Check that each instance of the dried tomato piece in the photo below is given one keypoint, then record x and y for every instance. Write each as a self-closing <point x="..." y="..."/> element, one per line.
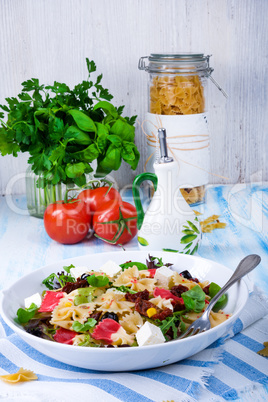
<point x="132" y="297"/>
<point x="162" y="315"/>
<point x="141" y="306"/>
<point x="96" y="316"/>
<point x="178" y="290"/>
<point x="70" y="286"/>
<point x="51" y="300"/>
<point x="178" y="305"/>
<point x="206" y="289"/>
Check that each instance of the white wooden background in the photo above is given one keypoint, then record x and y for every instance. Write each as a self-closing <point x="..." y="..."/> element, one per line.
<point x="50" y="39"/>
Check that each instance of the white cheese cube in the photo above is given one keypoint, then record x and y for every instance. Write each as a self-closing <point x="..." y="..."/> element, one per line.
<point x="78" y="271"/>
<point x="149" y="334"/>
<point x="163" y="276"/>
<point x="110" y="268"/>
<point x="35" y="298"/>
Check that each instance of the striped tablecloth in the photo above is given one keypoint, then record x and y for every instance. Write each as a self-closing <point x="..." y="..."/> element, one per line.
<point x="230" y="369"/>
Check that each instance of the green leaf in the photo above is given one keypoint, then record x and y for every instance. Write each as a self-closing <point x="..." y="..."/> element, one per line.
<point x="102" y="136"/>
<point x="25" y="315"/>
<point x="194" y="249"/>
<point x="107" y="107"/>
<point x="130" y="154"/>
<point x="142" y="241"/>
<point x="130" y="264"/>
<point x="125" y="289"/>
<point x="74" y="170"/>
<point x="68" y="267"/>
<point x="213" y="290"/>
<point x="98" y="281"/>
<point x="193" y="227"/>
<point x="172" y="322"/>
<point x="188" y="245"/>
<point x="91" y="66"/>
<point x="78" y="327"/>
<point x="123" y="130"/>
<point x="24" y="97"/>
<point x="84" y="122"/>
<point x="111" y="161"/>
<point x="78" y="136"/>
<point x="89" y="154"/>
<point x="188" y="231"/>
<point x="188" y="239"/>
<point x="170" y="250"/>
<point x="194" y="299"/>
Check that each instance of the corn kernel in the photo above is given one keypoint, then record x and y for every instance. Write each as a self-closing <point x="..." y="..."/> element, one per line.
<point x="68" y="304"/>
<point x="151" y="311"/>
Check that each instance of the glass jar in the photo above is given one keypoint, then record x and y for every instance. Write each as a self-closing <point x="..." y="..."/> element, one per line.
<point x="39" y="198"/>
<point x="177" y="101"/>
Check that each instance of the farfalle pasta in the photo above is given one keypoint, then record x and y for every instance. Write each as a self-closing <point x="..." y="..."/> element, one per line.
<point x="176" y="95"/>
<point x="114" y="309"/>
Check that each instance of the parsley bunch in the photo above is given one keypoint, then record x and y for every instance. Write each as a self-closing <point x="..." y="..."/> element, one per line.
<point x="64" y="130"/>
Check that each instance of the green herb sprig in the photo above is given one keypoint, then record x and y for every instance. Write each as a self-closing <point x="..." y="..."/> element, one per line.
<point x="64" y="130"/>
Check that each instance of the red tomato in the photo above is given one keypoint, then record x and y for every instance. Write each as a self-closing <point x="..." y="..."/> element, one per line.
<point x="115" y="223"/>
<point x="95" y="198"/>
<point x="67" y="223"/>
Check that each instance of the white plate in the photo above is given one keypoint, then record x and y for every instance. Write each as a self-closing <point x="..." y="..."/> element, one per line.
<point x="126" y="359"/>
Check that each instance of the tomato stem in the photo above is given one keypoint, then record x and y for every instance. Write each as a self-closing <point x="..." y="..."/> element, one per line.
<point x="122" y="225"/>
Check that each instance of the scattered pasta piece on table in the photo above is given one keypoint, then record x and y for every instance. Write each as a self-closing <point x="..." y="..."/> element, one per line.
<point x="21" y="376"/>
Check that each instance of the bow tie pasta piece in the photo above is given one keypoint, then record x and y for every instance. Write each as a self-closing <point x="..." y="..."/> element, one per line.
<point x="132" y="322"/>
<point x="184" y="92"/>
<point x="113" y="303"/>
<point x="21" y="376"/>
<point x="66" y="313"/>
<point x="134" y="279"/>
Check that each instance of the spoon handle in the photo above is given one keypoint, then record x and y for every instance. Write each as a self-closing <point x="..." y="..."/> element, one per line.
<point x="244" y="267"/>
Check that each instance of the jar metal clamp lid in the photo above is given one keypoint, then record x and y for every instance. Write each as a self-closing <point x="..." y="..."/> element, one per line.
<point x="179" y="63"/>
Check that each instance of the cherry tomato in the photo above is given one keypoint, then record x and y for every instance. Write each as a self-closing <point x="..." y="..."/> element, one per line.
<point x="115" y="223"/>
<point x="67" y="223"/>
<point x="95" y="198"/>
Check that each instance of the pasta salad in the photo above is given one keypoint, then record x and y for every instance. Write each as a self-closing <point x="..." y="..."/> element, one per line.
<point x="132" y="304"/>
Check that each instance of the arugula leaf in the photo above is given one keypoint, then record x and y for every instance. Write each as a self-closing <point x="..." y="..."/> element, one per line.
<point x="25" y="315"/>
<point x="172" y="322"/>
<point x="98" y="281"/>
<point x="78" y="327"/>
<point x="194" y="299"/>
<point x="125" y="289"/>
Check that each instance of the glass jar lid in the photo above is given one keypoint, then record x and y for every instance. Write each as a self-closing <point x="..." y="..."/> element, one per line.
<point x="178" y="63"/>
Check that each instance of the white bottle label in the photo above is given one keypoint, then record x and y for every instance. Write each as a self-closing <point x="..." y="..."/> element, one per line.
<point x="188" y="144"/>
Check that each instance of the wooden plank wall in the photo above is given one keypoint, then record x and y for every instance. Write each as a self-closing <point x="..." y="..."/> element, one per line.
<point x="50" y="39"/>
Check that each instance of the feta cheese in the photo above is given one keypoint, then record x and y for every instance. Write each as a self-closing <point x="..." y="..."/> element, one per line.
<point x="78" y="271"/>
<point x="110" y="268"/>
<point x="35" y="298"/>
<point x="149" y="334"/>
<point x="163" y="276"/>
